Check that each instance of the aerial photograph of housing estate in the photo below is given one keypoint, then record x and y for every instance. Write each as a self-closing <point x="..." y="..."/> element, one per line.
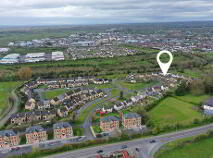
<point x="106" y="79"/>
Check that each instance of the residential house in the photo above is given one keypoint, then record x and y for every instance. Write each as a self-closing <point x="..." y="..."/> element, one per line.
<point x="130" y="120"/>
<point x="119" y="106"/>
<point x="55" y="101"/>
<point x="30" y="104"/>
<point x="62" y="130"/>
<point x="62" y="112"/>
<point x="48" y="114"/>
<point x="18" y="118"/>
<point x="208" y="105"/>
<point x="41" y="105"/>
<point x="109" y="123"/>
<point x="8" y="138"/>
<point x="36" y="134"/>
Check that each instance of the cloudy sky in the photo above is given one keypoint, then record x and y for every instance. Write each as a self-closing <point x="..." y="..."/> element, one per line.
<point x="54" y="12"/>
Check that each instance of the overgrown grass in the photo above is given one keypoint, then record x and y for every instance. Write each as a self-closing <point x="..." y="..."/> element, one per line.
<point x="187" y="148"/>
<point x="5" y="92"/>
<point x="171" y="110"/>
<point x="50" y="94"/>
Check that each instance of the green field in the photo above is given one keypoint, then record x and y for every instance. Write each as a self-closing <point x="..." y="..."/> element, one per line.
<point x="171" y="111"/>
<point x="54" y="93"/>
<point x="200" y="149"/>
<point x="138" y="85"/>
<point x="194" y="99"/>
<point x="5" y="90"/>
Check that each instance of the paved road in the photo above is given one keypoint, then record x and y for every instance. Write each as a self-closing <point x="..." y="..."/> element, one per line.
<point x="50" y="144"/>
<point x="148" y="149"/>
<point x="11" y="110"/>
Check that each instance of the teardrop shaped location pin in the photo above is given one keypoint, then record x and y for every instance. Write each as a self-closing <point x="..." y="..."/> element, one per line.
<point x="164" y="66"/>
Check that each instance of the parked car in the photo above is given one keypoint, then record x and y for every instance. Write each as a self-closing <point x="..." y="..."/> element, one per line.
<point x="152" y="141"/>
<point x="99" y="151"/>
<point x="123" y="146"/>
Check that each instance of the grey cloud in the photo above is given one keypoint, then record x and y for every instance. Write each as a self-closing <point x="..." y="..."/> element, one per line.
<point x="39" y="12"/>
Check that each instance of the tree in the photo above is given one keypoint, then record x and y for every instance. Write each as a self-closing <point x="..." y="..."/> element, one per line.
<point x="74" y="115"/>
<point x="25" y="73"/>
<point x="182" y="89"/>
<point x="121" y="94"/>
<point x="93" y="117"/>
<point x="197" y="87"/>
<point x="208" y="82"/>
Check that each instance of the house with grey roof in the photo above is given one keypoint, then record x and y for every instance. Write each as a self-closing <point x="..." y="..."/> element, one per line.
<point x="36" y="134"/>
<point x="8" y="138"/>
<point x="131" y="120"/>
<point x="109" y="123"/>
<point x="62" y="130"/>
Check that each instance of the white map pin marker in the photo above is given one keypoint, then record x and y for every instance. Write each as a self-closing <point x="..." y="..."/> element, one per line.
<point x="164" y="66"/>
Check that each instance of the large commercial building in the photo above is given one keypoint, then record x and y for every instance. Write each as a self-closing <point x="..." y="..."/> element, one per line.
<point x="10" y="59"/>
<point x="57" y="56"/>
<point x="35" y="57"/>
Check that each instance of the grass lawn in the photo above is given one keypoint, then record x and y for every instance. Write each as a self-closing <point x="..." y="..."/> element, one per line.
<point x="77" y="131"/>
<point x="85" y="113"/>
<point x="171" y="111"/>
<point x="138" y="85"/>
<point x="200" y="149"/>
<point x="5" y="89"/>
<point x="102" y="86"/>
<point x="53" y="93"/>
<point x="96" y="129"/>
<point x="194" y="99"/>
<point x="115" y="92"/>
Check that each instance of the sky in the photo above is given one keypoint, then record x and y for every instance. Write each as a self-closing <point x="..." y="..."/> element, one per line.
<point x="65" y="12"/>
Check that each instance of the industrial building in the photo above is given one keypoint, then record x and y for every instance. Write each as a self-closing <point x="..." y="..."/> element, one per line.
<point x="10" y="59"/>
<point x="57" y="56"/>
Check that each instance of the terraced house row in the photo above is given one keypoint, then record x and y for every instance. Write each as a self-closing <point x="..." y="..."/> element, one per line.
<point x="35" y="134"/>
<point x="66" y="83"/>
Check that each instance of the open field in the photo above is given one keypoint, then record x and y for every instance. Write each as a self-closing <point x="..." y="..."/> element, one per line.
<point x="196" y="100"/>
<point x="171" y="110"/>
<point x="5" y="90"/>
<point x="138" y="85"/>
<point x="50" y="94"/>
<point x="200" y="149"/>
<point x="112" y="67"/>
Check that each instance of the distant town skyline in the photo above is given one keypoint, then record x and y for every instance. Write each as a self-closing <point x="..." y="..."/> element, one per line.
<point x="69" y="12"/>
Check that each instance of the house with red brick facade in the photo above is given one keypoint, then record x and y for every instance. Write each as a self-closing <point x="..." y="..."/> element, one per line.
<point x="36" y="134"/>
<point x="109" y="123"/>
<point x="8" y="138"/>
<point x="62" y="130"/>
<point x="131" y="120"/>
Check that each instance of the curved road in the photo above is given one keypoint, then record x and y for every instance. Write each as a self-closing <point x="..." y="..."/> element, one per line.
<point x="11" y="110"/>
<point x="147" y="149"/>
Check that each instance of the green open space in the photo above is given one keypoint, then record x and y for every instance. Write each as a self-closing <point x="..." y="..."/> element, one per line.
<point x="194" y="99"/>
<point x="171" y="110"/>
<point x="50" y="94"/>
<point x="5" y="92"/>
<point x="138" y="85"/>
<point x="102" y="86"/>
<point x="199" y="149"/>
